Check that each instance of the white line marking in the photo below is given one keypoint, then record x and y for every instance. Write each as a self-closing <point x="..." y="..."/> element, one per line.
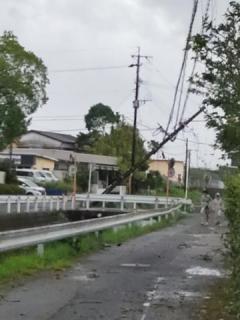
<point x="135" y="265"/>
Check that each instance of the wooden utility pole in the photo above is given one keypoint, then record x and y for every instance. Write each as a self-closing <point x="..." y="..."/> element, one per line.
<point x="136" y="103"/>
<point x="155" y="149"/>
<point x="185" y="166"/>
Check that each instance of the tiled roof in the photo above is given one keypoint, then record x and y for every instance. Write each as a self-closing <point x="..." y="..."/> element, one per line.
<point x="67" y="138"/>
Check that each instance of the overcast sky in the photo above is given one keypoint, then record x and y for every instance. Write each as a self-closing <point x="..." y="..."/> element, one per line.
<point x="70" y="35"/>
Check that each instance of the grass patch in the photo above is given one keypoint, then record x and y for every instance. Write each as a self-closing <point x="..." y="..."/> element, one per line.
<point x="61" y="254"/>
<point x="216" y="307"/>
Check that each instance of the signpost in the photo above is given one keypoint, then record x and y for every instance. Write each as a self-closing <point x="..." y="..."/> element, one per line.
<point x="170" y="174"/>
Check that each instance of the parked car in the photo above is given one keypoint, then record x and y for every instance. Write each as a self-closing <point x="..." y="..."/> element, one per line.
<point x="30" y="187"/>
<point x="34" y="175"/>
<point x="49" y="176"/>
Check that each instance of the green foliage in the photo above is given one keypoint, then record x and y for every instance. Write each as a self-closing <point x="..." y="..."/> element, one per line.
<point x="218" y="49"/>
<point x="154" y="180"/>
<point x="65" y="186"/>
<point x="85" y="141"/>
<point x="16" y="264"/>
<point x="99" y="116"/>
<point x="82" y="177"/>
<point x="232" y="213"/>
<point x="10" y="189"/>
<point x="119" y="144"/>
<point x="23" y="78"/>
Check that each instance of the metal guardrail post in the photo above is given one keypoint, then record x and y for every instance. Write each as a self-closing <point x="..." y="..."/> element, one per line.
<point x="18" y="205"/>
<point x="51" y="204"/>
<point x="58" y="204"/>
<point x="44" y="203"/>
<point x="64" y="200"/>
<point x="8" y="205"/>
<point x="88" y="202"/>
<point x="36" y="204"/>
<point x="135" y="206"/>
<point x="156" y="203"/>
<point x="103" y="204"/>
<point x="40" y="249"/>
<point x="73" y="202"/>
<point x="28" y="205"/>
<point x="122" y="203"/>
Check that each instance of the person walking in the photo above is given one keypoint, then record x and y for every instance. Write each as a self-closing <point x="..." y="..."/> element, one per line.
<point x="218" y="208"/>
<point x="205" y="207"/>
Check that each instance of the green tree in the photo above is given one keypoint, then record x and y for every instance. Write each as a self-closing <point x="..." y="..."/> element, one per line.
<point x="85" y="141"/>
<point x="99" y="116"/>
<point x="218" y="50"/>
<point x="23" y="79"/>
<point x="119" y="143"/>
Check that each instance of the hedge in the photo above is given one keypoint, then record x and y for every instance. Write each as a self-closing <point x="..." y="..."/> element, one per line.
<point x="10" y="189"/>
<point x="232" y="212"/>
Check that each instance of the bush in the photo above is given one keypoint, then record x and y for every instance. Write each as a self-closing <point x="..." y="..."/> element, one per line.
<point x="10" y="189"/>
<point x="232" y="212"/>
<point x="65" y="187"/>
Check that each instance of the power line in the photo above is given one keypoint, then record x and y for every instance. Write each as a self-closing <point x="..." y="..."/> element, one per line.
<point x="88" y="69"/>
<point x="204" y="19"/>
<point x="182" y="72"/>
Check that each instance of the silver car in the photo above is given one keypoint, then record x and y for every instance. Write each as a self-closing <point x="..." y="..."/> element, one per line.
<point x="30" y="187"/>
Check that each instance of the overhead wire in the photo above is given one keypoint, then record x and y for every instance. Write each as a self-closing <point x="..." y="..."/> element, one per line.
<point x="204" y="19"/>
<point x="88" y="69"/>
<point x="182" y="73"/>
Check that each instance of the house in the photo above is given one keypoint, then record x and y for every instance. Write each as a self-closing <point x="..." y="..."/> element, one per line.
<point x="162" y="167"/>
<point x="46" y="140"/>
<point x="62" y="162"/>
<point x="31" y="160"/>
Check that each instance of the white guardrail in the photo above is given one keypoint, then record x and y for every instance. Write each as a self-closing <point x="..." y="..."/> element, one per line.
<point x="15" y="239"/>
<point x="18" y="204"/>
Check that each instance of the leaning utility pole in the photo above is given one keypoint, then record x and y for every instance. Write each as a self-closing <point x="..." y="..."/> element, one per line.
<point x="168" y="138"/>
<point x="186" y="165"/>
<point x="136" y="103"/>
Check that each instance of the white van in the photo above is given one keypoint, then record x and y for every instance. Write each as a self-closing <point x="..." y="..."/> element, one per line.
<point x="31" y="174"/>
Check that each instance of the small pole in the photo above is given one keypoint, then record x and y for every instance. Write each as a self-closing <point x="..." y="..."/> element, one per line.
<point x="40" y="249"/>
<point x="167" y="190"/>
<point x="90" y="178"/>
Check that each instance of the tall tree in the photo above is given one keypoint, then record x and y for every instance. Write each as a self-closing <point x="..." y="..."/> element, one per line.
<point x="218" y="50"/>
<point x="99" y="116"/>
<point x="23" y="79"/>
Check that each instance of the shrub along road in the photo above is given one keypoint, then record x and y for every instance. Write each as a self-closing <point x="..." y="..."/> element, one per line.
<point x="162" y="275"/>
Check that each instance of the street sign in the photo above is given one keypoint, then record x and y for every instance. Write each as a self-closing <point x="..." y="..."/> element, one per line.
<point x="72" y="170"/>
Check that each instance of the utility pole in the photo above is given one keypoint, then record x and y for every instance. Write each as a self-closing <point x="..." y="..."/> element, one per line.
<point x="136" y="103"/>
<point x="155" y="149"/>
<point x="187" y="173"/>
<point x="186" y="165"/>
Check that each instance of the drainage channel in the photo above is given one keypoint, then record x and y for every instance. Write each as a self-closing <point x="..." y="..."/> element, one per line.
<point x="16" y="221"/>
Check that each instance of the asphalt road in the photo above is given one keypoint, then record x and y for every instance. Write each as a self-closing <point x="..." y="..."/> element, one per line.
<point x="162" y="275"/>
